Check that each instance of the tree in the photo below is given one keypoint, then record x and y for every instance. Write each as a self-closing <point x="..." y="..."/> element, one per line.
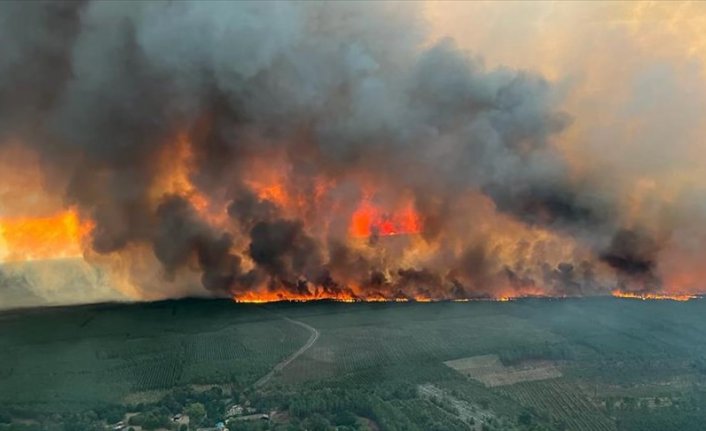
<point x="5" y="418"/>
<point x="317" y="423"/>
<point x="345" y="418"/>
<point x="525" y="418"/>
<point x="196" y="413"/>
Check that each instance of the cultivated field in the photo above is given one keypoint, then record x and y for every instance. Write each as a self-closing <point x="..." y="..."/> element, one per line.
<point x="488" y="370"/>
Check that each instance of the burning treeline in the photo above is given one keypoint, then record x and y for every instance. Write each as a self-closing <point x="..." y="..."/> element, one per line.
<point x="297" y="151"/>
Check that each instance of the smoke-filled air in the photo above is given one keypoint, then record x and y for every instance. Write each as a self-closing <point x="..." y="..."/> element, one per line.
<point x="350" y="151"/>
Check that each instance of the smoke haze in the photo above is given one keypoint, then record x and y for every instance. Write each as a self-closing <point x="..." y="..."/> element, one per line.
<point x="354" y="150"/>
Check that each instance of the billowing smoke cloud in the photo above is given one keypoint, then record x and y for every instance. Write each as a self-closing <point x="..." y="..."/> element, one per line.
<point x="181" y="235"/>
<point x="633" y="254"/>
<point x="294" y="114"/>
<point x="283" y="249"/>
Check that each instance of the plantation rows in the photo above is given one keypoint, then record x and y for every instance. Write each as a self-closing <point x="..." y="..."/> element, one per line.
<point x="157" y="372"/>
<point x="305" y="368"/>
<point x="424" y="414"/>
<point x="217" y="357"/>
<point x="138" y="354"/>
<point x="561" y="401"/>
<point x="222" y="346"/>
<point x="412" y="373"/>
<point x="272" y="341"/>
<point x="366" y="346"/>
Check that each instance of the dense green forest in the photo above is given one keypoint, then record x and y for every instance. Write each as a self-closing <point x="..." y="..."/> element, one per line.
<point x="575" y="364"/>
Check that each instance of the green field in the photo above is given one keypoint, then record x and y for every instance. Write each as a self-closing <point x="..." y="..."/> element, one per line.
<point x="624" y="364"/>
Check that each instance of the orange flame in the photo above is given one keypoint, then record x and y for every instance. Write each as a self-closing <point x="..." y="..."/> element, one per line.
<point x="33" y="238"/>
<point x="268" y="297"/>
<point x="263" y="297"/>
<point x="369" y="220"/>
<point x="174" y="171"/>
<point x="255" y="297"/>
<point x="653" y="296"/>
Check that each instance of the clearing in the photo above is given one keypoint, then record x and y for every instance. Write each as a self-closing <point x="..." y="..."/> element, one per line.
<point x="488" y="370"/>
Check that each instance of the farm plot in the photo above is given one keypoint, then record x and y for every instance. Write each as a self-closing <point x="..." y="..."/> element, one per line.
<point x="562" y="401"/>
<point x="488" y="370"/>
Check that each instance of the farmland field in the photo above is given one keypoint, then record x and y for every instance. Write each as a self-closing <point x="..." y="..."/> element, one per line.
<point x="596" y="364"/>
<point x="489" y="370"/>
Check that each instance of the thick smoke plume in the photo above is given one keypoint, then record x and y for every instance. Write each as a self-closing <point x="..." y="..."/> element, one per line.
<point x="252" y="143"/>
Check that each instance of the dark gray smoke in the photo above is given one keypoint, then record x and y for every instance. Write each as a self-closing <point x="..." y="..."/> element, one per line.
<point x="247" y="210"/>
<point x="284" y="250"/>
<point x="633" y="253"/>
<point x="341" y="91"/>
<point x="181" y="236"/>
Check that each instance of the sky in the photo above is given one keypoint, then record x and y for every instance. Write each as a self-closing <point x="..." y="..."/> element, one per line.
<point x="633" y="81"/>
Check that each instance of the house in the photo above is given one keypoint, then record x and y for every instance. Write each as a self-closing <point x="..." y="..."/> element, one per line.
<point x="181" y="419"/>
<point x="234" y="410"/>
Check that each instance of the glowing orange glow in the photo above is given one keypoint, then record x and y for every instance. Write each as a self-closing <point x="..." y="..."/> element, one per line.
<point x="274" y="193"/>
<point x="263" y="297"/>
<point x="256" y="297"/>
<point x="33" y="238"/>
<point x="369" y="220"/>
<point x="652" y="296"/>
<point x="270" y="183"/>
<point x="174" y="177"/>
<point x="269" y="178"/>
<point x="260" y="298"/>
<point x="267" y="297"/>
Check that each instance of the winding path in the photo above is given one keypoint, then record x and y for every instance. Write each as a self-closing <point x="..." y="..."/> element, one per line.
<point x="280" y="366"/>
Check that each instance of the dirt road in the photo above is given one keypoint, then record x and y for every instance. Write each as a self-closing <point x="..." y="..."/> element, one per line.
<point x="280" y="366"/>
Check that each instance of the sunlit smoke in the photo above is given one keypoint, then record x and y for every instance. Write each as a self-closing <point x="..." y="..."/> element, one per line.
<point x="304" y="151"/>
<point x="54" y="237"/>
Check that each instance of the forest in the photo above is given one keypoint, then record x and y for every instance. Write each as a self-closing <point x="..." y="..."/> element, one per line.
<point x="614" y="364"/>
